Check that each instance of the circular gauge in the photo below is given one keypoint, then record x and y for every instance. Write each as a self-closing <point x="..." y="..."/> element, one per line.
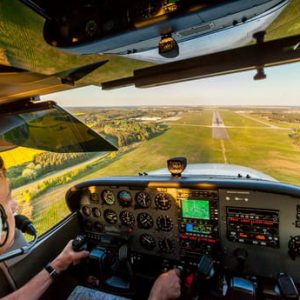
<point x="143" y="199"/>
<point x="86" y="211"/>
<point x="144" y="220"/>
<point x="96" y="212"/>
<point x="166" y="245"/>
<point x="110" y="216"/>
<point x="124" y="198"/>
<point x="127" y="218"/>
<point x="164" y="223"/>
<point x="147" y="241"/>
<point x="108" y="197"/>
<point x="162" y="201"/>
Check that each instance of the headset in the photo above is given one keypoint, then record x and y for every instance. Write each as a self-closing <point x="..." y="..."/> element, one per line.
<point x="4" y="227"/>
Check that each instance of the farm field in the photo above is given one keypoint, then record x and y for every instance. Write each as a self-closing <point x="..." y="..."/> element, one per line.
<point x="251" y="143"/>
<point x="18" y="156"/>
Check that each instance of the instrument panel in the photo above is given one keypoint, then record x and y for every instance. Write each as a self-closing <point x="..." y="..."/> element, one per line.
<point x="183" y="223"/>
<point x="146" y="217"/>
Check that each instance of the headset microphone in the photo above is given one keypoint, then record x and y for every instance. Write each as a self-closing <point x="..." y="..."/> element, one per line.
<point x="25" y="225"/>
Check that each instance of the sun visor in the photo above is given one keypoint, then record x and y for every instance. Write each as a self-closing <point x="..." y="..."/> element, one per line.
<point x="46" y="126"/>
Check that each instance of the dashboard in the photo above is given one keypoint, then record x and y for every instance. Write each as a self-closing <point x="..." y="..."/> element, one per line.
<point x="246" y="226"/>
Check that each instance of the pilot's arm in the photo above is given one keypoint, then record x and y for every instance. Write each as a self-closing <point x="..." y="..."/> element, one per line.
<point x="39" y="283"/>
<point x="166" y="286"/>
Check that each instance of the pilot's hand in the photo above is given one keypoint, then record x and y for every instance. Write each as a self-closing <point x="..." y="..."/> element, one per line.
<point x="68" y="257"/>
<point x="166" y="286"/>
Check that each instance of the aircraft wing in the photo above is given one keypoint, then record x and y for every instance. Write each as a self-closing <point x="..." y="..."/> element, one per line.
<point x="18" y="83"/>
<point x="43" y="62"/>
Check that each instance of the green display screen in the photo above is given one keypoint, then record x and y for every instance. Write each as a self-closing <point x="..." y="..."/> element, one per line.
<point x="195" y="209"/>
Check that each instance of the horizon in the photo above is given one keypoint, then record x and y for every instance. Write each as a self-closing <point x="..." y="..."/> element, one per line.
<point x="281" y="88"/>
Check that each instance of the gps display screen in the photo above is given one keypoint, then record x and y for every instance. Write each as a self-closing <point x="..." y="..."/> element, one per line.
<point x="195" y="209"/>
<point x="198" y="228"/>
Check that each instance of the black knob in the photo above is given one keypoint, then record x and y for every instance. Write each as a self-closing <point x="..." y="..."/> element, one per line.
<point x="79" y="242"/>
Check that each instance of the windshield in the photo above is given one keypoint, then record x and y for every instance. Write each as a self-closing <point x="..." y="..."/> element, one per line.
<point x="250" y="124"/>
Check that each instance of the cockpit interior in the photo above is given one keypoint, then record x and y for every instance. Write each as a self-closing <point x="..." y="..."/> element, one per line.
<point x="231" y="231"/>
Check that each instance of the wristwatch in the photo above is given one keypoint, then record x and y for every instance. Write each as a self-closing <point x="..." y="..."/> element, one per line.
<point x="52" y="272"/>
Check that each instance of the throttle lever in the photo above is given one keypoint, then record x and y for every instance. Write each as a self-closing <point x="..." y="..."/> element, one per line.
<point x="79" y="243"/>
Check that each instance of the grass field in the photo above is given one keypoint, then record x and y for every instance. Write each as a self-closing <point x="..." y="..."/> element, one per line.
<point x="231" y="118"/>
<point x="280" y="124"/>
<point x="288" y="22"/>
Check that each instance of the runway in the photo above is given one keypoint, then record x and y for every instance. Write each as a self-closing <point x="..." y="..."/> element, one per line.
<point x="219" y="130"/>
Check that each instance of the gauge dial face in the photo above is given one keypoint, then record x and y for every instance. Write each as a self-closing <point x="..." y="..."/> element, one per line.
<point x="125" y="198"/>
<point x="127" y="218"/>
<point x="162" y="201"/>
<point x="96" y="212"/>
<point x="166" y="245"/>
<point x="86" y="211"/>
<point x="144" y="221"/>
<point x="147" y="241"/>
<point x="164" y="223"/>
<point x="143" y="199"/>
<point x="110" y="216"/>
<point x="108" y="197"/>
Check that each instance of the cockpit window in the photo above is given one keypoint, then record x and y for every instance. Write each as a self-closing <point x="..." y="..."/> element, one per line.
<point x="48" y="127"/>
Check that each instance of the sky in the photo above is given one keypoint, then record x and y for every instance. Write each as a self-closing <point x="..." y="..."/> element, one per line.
<point x="282" y="87"/>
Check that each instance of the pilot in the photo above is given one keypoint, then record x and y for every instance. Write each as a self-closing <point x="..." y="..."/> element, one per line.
<point x="166" y="286"/>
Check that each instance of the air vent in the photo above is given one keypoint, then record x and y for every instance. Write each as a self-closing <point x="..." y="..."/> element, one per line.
<point x="194" y="30"/>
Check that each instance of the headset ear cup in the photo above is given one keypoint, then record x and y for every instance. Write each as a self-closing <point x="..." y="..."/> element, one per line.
<point x="1" y="226"/>
<point x="3" y="219"/>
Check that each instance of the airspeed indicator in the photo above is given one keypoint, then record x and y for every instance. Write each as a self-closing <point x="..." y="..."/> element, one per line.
<point x="143" y="199"/>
